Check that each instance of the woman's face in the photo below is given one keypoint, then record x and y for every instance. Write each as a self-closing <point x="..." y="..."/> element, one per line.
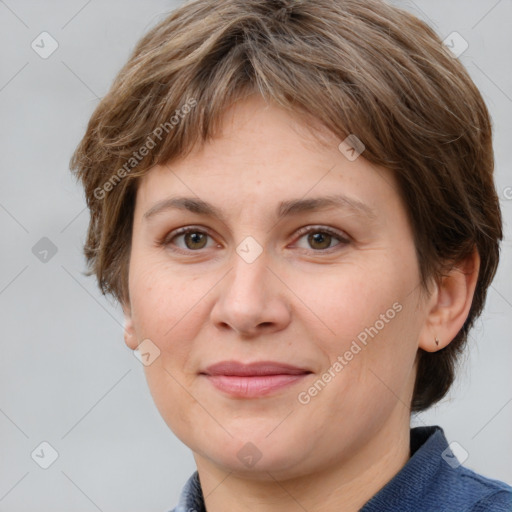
<point x="332" y="290"/>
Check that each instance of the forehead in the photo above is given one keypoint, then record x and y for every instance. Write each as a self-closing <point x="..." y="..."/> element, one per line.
<point x="266" y="155"/>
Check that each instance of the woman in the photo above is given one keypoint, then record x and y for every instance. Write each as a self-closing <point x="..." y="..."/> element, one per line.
<point x="294" y="204"/>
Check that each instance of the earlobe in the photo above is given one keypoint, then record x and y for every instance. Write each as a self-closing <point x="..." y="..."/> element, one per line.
<point x="450" y="304"/>
<point x="129" y="332"/>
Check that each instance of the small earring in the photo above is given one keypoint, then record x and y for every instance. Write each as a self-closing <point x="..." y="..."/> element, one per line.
<point x="437" y="342"/>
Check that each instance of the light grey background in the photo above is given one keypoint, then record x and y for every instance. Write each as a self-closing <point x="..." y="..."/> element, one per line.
<point x="66" y="376"/>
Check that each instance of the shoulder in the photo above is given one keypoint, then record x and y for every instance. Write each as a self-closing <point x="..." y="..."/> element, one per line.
<point x="434" y="480"/>
<point x="489" y="495"/>
<point x="458" y="485"/>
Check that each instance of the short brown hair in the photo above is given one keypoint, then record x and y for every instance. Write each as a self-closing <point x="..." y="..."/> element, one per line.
<point x="359" y="67"/>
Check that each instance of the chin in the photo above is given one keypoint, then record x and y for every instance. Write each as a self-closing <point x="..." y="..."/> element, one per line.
<point x="255" y="455"/>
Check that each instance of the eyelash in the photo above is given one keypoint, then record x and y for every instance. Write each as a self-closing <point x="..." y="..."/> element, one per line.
<point x="166" y="241"/>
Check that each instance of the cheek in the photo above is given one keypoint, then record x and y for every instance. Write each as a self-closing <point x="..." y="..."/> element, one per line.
<point x="158" y="296"/>
<point x="168" y="308"/>
<point x="358" y="297"/>
<point x="373" y="321"/>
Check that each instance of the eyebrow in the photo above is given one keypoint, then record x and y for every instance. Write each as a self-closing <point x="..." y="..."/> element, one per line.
<point x="284" y="209"/>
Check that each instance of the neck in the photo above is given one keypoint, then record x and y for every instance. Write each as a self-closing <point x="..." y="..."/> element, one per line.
<point x="343" y="487"/>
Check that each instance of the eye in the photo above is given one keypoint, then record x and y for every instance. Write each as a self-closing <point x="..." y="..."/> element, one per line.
<point x="192" y="237"/>
<point x="320" y="238"/>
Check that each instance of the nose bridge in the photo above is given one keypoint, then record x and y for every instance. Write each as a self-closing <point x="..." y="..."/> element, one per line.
<point x="248" y="281"/>
<point x="249" y="297"/>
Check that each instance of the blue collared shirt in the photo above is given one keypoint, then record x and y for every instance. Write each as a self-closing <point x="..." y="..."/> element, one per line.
<point x="431" y="481"/>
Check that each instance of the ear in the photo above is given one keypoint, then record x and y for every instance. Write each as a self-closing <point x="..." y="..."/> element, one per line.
<point x="129" y="332"/>
<point x="449" y="304"/>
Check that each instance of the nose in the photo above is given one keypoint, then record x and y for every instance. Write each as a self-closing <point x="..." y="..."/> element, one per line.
<point x="252" y="299"/>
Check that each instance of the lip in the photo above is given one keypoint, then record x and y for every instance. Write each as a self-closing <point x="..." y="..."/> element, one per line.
<point x="258" y="368"/>
<point x="253" y="380"/>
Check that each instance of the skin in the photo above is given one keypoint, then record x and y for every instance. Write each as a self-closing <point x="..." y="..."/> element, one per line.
<point x="301" y="301"/>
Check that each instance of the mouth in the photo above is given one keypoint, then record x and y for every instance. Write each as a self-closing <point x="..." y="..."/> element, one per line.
<point x="253" y="380"/>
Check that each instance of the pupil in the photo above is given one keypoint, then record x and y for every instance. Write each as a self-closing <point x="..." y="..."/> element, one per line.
<point x="195" y="238"/>
<point x="318" y="237"/>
